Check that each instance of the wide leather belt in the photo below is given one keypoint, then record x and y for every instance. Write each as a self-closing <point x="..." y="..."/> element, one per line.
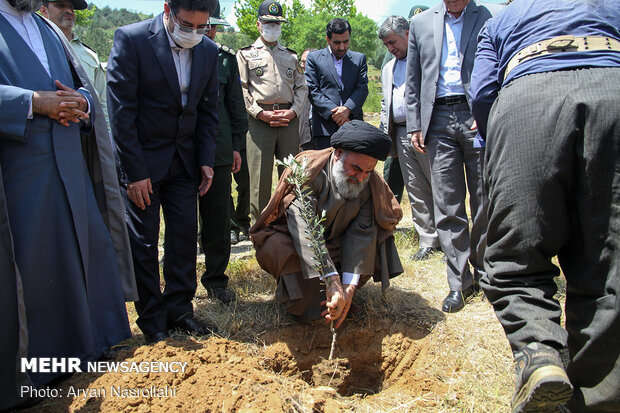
<point x="562" y="44"/>
<point x="451" y="100"/>
<point x="275" y="106"/>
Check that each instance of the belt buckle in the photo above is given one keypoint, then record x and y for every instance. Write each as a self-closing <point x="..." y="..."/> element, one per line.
<point x="276" y="106"/>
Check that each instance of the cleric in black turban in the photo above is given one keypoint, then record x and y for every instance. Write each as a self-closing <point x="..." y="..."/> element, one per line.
<point x="361" y="137"/>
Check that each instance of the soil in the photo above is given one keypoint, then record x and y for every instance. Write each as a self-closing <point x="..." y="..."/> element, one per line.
<point x="285" y="370"/>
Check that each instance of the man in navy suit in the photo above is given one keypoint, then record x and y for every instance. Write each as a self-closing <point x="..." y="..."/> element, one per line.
<point x="337" y="83"/>
<point x="162" y="89"/>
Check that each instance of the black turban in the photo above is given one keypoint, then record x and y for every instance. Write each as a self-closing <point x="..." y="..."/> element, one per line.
<point x="361" y="137"/>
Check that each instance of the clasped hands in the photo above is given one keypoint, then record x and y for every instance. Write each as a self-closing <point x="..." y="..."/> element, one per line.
<point x="65" y="105"/>
<point x="340" y="115"/>
<point x="338" y="300"/>
<point x="277" y="118"/>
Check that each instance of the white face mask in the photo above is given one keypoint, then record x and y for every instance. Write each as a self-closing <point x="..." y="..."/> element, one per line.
<point x="186" y="40"/>
<point x="270" y="32"/>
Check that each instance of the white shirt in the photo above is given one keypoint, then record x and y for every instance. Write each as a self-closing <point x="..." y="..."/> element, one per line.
<point x="399" y="104"/>
<point x="338" y="66"/>
<point x="183" y="63"/>
<point x="27" y="28"/>
<point x="449" y="82"/>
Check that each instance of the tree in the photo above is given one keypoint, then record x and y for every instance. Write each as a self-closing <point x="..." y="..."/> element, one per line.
<point x="84" y="17"/>
<point x="246" y="12"/>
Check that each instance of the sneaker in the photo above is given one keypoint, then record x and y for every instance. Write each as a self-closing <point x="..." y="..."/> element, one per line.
<point x="542" y="383"/>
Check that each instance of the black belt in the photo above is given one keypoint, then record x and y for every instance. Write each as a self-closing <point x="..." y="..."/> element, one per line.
<point x="451" y="100"/>
<point x="275" y="106"/>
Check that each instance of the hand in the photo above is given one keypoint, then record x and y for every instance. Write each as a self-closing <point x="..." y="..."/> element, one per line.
<point x="334" y="299"/>
<point x="417" y="140"/>
<point x="277" y="118"/>
<point x="65" y="105"/>
<point x="139" y="192"/>
<point x="340" y="115"/>
<point x="286" y="113"/>
<point x="207" y="179"/>
<point x="236" y="165"/>
<point x="474" y="126"/>
<point x="349" y="292"/>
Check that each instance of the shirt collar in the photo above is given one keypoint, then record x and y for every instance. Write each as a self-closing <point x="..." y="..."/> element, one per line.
<point x="5" y="7"/>
<point x="334" y="56"/>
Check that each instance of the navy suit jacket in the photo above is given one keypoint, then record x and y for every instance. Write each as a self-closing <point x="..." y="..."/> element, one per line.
<point x="147" y="119"/>
<point x="326" y="91"/>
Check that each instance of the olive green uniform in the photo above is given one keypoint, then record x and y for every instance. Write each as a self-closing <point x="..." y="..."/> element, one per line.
<point x="93" y="68"/>
<point x="271" y="79"/>
<point x="214" y="205"/>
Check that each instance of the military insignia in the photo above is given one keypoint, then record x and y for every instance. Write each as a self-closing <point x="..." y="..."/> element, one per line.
<point x="299" y="68"/>
<point x="254" y="53"/>
<point x="259" y="71"/>
<point x="289" y="73"/>
<point x="417" y="11"/>
<point x="273" y="8"/>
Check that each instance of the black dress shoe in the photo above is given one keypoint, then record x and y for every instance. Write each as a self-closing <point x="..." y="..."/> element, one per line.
<point x="234" y="237"/>
<point x="424" y="253"/>
<point x="189" y="324"/>
<point x="224" y="295"/>
<point x="152" y="339"/>
<point x="455" y="301"/>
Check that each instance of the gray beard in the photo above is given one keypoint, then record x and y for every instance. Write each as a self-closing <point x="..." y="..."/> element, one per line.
<point x="26" y="6"/>
<point x="346" y="189"/>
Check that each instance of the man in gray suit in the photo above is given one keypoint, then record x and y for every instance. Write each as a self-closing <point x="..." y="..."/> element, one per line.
<point x="414" y="166"/>
<point x="442" y="46"/>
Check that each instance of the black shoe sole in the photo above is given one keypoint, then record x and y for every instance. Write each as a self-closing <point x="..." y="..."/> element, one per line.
<point x="546" y="388"/>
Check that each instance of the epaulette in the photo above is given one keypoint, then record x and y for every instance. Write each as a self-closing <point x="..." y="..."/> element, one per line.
<point x="291" y="50"/>
<point x="247" y="47"/>
<point x="227" y="49"/>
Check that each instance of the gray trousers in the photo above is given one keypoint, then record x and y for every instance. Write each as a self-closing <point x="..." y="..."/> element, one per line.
<point x="553" y="171"/>
<point x="263" y="144"/>
<point x="416" y="171"/>
<point x="456" y="166"/>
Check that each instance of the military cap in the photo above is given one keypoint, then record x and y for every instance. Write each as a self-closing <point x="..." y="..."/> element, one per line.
<point x="417" y="10"/>
<point x="271" y="11"/>
<point x="214" y="18"/>
<point x="77" y="4"/>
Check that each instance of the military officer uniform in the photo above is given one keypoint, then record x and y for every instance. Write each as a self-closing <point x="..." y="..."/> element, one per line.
<point x="271" y="79"/>
<point x="214" y="205"/>
<point x="94" y="69"/>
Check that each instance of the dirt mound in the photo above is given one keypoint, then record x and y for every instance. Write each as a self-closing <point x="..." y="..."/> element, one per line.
<point x="287" y="371"/>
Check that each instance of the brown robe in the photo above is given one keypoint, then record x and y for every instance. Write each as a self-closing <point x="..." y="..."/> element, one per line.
<point x="279" y="254"/>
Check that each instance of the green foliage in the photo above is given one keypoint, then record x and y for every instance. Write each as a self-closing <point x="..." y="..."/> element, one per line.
<point x="246" y="12"/>
<point x="234" y="40"/>
<point x="96" y="27"/>
<point x="339" y="8"/>
<point x="84" y="17"/>
<point x="375" y="94"/>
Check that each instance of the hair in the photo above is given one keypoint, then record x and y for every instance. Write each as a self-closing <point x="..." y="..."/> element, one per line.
<point x="338" y="26"/>
<point x="192" y="5"/>
<point x="393" y="24"/>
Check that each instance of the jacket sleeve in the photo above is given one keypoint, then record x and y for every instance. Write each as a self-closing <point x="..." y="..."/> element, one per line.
<point x="123" y="80"/>
<point x="207" y="121"/>
<point x="484" y="80"/>
<point x="15" y="104"/>
<point x="412" y="89"/>
<point x="358" y="97"/>
<point x="383" y="125"/>
<point x="320" y="102"/>
<point x="236" y="109"/>
<point x="300" y="90"/>
<point x="250" y="104"/>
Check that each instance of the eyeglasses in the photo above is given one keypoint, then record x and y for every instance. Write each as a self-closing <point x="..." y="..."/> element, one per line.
<point x="188" y="29"/>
